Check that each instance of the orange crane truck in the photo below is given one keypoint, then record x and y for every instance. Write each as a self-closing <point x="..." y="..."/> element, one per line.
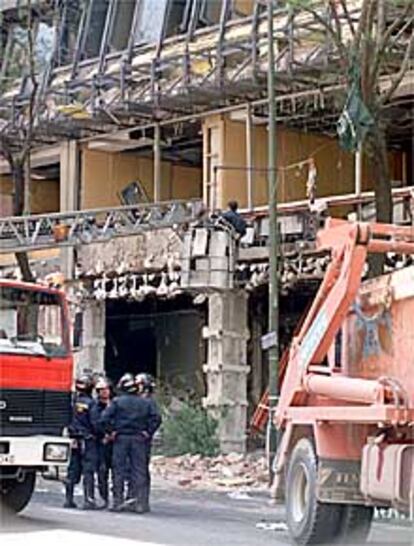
<point x="345" y="414"/>
<point x="35" y="387"/>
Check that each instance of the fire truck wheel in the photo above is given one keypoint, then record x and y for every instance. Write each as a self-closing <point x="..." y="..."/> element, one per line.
<point x="355" y="524"/>
<point x="309" y="521"/>
<point x="15" y="494"/>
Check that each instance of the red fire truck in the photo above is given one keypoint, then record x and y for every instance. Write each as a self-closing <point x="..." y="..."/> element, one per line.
<point x="35" y="387"/>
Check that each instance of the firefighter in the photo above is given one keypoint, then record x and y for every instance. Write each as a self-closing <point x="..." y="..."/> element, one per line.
<point x="133" y="420"/>
<point x="233" y="217"/>
<point x="104" y="440"/>
<point x="82" y="430"/>
<point x="146" y="385"/>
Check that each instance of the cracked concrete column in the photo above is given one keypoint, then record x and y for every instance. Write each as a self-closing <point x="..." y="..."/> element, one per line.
<point x="92" y="353"/>
<point x="226" y="367"/>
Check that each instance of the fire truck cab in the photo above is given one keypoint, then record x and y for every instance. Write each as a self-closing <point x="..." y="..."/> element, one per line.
<point x="35" y="387"/>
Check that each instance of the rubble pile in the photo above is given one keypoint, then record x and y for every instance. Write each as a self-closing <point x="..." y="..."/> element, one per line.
<point x="224" y="472"/>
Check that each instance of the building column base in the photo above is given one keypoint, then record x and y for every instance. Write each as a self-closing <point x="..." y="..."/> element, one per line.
<point x="226" y="368"/>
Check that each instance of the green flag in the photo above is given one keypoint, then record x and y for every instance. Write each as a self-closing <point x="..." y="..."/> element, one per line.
<point x="355" y="120"/>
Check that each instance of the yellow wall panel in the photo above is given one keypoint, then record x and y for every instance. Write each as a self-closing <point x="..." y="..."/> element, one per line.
<point x="6" y="184"/>
<point x="186" y="182"/>
<point x="105" y="174"/>
<point x="44" y="195"/>
<point x="335" y="167"/>
<point x="244" y="7"/>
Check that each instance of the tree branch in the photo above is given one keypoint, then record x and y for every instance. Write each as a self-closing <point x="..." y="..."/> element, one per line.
<point x="29" y="132"/>
<point x="334" y="12"/>
<point x="347" y="16"/>
<point x="381" y="19"/>
<point x="334" y="35"/>
<point x="366" y="47"/>
<point x="362" y="23"/>
<point x="388" y="45"/>
<point x="394" y="25"/>
<point x="396" y="37"/>
<point x="399" y="77"/>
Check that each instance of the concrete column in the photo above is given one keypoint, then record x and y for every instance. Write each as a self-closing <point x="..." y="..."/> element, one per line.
<point x="91" y="355"/>
<point x="226" y="367"/>
<point x="256" y="360"/>
<point x="69" y="186"/>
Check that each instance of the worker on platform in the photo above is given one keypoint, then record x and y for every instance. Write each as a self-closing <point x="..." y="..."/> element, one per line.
<point x="233" y="217"/>
<point x="146" y="386"/>
<point x="133" y="420"/>
<point x="104" y="439"/>
<point x="83" y="459"/>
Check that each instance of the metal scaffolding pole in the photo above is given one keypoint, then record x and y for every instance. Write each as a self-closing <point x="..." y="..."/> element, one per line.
<point x="273" y="351"/>
<point x="157" y="163"/>
<point x="249" y="156"/>
<point x="358" y="179"/>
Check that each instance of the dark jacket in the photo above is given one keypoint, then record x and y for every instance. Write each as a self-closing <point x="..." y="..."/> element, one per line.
<point x="83" y="424"/>
<point x="237" y="221"/>
<point x="131" y="415"/>
<point x="97" y="412"/>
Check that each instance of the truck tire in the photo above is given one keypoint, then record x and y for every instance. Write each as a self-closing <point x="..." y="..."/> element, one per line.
<point x="16" y="494"/>
<point x="309" y="521"/>
<point x="355" y="524"/>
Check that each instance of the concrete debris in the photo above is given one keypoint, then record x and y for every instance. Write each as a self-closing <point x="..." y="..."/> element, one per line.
<point x="236" y="473"/>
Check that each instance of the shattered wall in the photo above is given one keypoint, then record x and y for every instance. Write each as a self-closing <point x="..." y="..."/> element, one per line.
<point x="152" y="250"/>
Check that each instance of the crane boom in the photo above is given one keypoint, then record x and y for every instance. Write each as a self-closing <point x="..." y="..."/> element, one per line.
<point x="43" y="231"/>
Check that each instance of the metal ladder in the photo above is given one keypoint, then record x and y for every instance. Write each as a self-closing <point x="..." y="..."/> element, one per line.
<point x="74" y="228"/>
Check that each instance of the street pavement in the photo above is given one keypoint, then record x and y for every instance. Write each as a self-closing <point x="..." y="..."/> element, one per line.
<point x="179" y="518"/>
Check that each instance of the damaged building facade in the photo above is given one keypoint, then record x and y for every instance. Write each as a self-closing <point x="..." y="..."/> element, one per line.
<point x="137" y="105"/>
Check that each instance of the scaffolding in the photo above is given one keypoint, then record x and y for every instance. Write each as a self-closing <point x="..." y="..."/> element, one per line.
<point x="194" y="72"/>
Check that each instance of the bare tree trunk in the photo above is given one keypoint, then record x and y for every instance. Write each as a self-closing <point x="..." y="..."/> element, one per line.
<point x="19" y="180"/>
<point x="24" y="266"/>
<point x="380" y="168"/>
<point x="18" y="173"/>
<point x="383" y="191"/>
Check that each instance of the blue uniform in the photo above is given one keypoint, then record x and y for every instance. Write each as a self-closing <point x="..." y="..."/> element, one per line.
<point x="83" y="459"/>
<point x="237" y="221"/>
<point x="148" y="444"/>
<point x="104" y="450"/>
<point x="147" y="487"/>
<point x="133" y="420"/>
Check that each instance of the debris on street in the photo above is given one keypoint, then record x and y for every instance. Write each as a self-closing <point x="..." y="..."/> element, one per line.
<point x="235" y="472"/>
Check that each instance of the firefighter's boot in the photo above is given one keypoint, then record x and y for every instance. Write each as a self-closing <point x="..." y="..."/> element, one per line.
<point x="141" y="506"/>
<point x="146" y="499"/>
<point x="69" y="494"/>
<point x="89" y="493"/>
